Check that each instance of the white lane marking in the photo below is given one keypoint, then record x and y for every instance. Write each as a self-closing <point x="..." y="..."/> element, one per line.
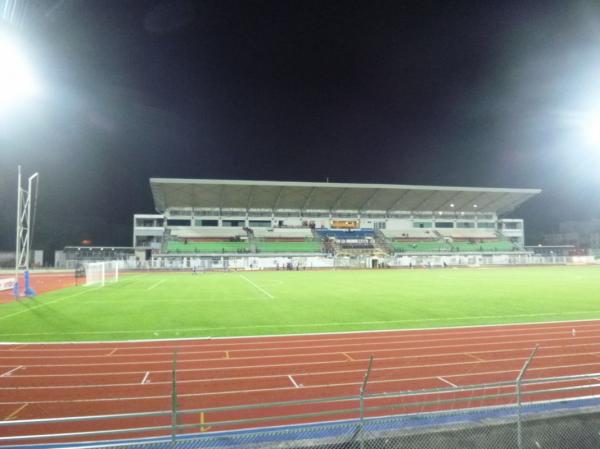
<point x="47" y="303"/>
<point x="293" y="381"/>
<point x="468" y="332"/>
<point x="447" y="382"/>
<point x="8" y="373"/>
<point x="145" y="377"/>
<point x="334" y="348"/>
<point x="258" y="390"/>
<point x="474" y="357"/>
<point x="258" y="287"/>
<point x="253" y="390"/>
<point x="331" y="373"/>
<point x="18" y="347"/>
<point x="312" y="354"/>
<point x="156" y="285"/>
<point x="247" y="367"/>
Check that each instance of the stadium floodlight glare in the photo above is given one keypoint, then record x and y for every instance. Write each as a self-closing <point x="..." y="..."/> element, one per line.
<point x="591" y="129"/>
<point x="17" y="79"/>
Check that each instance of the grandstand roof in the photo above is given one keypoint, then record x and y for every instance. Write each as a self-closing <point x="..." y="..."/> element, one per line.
<point x="212" y="193"/>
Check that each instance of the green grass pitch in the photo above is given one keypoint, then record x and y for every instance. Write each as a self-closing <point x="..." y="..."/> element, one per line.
<point x="171" y="305"/>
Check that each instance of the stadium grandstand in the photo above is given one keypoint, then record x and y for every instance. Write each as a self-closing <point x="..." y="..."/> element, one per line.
<point x="267" y="224"/>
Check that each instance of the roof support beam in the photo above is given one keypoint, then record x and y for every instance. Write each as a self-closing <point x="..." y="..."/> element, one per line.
<point x="279" y="194"/>
<point x="398" y="201"/>
<point x="427" y="198"/>
<point x="221" y="195"/>
<point x="511" y="205"/>
<point x="471" y="201"/>
<point x="250" y="197"/>
<point x="494" y="199"/>
<point x="362" y="207"/>
<point x="206" y="193"/>
<point x="449" y="200"/>
<point x="308" y="198"/>
<point x="462" y="206"/>
<point x="338" y="200"/>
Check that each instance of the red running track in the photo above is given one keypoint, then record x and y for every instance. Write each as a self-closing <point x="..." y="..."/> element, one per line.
<point x="59" y="380"/>
<point x="42" y="283"/>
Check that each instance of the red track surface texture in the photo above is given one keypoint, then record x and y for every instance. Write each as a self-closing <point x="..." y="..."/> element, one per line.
<point x="42" y="283"/>
<point x="57" y="380"/>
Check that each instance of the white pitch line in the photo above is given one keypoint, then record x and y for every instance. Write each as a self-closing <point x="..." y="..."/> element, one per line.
<point x="156" y="285"/>
<point x="447" y="382"/>
<point x="491" y="331"/>
<point x="44" y="304"/>
<point x="145" y="377"/>
<point x="293" y="381"/>
<point x="8" y="373"/>
<point x="257" y="286"/>
<point x="300" y="325"/>
<point x="450" y="328"/>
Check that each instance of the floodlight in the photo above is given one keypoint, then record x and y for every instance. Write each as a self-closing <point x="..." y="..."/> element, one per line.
<point x="591" y="129"/>
<point x="17" y="79"/>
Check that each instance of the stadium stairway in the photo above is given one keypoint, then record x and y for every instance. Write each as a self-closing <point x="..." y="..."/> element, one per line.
<point x="382" y="243"/>
<point x="502" y="237"/>
<point x="251" y="240"/>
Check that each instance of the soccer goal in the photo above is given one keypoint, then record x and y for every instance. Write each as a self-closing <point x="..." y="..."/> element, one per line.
<point x="99" y="273"/>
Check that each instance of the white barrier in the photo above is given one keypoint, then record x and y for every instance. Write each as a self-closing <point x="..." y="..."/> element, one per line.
<point x="7" y="283"/>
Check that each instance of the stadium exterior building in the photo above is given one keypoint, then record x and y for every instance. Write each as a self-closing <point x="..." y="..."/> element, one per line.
<point x="580" y="235"/>
<point x="266" y="224"/>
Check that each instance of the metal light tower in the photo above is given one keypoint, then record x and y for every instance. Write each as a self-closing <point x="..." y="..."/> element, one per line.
<point x="24" y="229"/>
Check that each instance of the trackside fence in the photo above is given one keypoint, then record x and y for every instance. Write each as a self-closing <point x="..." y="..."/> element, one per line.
<point x="522" y="412"/>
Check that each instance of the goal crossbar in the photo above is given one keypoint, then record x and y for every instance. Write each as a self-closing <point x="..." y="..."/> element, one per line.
<point x="100" y="273"/>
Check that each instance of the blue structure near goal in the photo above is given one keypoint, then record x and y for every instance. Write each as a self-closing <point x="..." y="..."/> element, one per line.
<point x="29" y="292"/>
<point x="16" y="289"/>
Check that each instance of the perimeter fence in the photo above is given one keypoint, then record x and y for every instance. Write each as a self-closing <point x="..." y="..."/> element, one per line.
<point x="544" y="412"/>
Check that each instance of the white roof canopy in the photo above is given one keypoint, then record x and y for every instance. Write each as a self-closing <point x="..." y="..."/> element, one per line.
<point x="212" y="193"/>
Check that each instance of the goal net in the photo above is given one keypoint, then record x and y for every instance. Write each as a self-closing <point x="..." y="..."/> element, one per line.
<point x="100" y="273"/>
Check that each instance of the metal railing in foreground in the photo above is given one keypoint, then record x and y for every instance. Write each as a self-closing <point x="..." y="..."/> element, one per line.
<point x="538" y="413"/>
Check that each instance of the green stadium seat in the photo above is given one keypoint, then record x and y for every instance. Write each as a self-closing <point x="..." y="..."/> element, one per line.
<point x="207" y="247"/>
<point x="435" y="246"/>
<point x="310" y="246"/>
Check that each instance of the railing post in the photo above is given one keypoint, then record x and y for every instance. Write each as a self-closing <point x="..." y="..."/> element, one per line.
<point x="363" y="390"/>
<point x="518" y="388"/>
<point x="174" y="400"/>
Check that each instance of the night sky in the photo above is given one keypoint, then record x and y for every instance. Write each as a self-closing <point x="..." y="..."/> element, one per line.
<point x="453" y="93"/>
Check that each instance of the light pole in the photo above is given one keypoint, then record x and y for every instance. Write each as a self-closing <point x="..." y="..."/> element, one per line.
<point x="18" y="84"/>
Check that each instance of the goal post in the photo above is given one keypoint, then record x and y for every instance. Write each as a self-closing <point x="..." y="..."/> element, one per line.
<point x="100" y="273"/>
